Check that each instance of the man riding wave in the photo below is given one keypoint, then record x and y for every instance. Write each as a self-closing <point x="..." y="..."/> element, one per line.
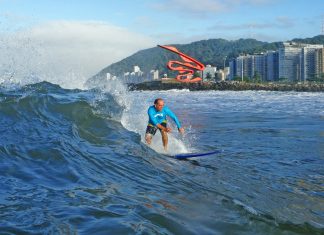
<point x="157" y="120"/>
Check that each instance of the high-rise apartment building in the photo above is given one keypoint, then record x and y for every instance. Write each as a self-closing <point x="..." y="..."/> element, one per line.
<point x="250" y="66"/>
<point x="154" y="74"/>
<point x="308" y="64"/>
<point x="259" y="67"/>
<point x="244" y="66"/>
<point x="290" y="61"/>
<point x="319" y="63"/>
<point x="232" y="69"/>
<point x="272" y="66"/>
<point x="295" y="62"/>
<point x="137" y="69"/>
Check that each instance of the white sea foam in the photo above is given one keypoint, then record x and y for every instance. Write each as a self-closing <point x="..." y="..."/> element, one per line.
<point x="246" y="207"/>
<point x="174" y="90"/>
<point x="135" y="118"/>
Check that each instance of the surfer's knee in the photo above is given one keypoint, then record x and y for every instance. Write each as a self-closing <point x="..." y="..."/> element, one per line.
<point x="164" y="135"/>
<point x="165" y="139"/>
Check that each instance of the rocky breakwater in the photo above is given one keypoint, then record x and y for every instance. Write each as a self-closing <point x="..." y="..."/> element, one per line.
<point x="228" y="85"/>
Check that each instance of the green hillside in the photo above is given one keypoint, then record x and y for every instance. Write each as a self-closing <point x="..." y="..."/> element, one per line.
<point x="212" y="51"/>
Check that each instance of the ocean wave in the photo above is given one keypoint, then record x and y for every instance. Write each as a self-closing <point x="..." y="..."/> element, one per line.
<point x="74" y="161"/>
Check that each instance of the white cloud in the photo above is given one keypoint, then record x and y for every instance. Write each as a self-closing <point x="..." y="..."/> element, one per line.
<point x="281" y="22"/>
<point x="203" y="8"/>
<point x="191" y="7"/>
<point x="62" y="51"/>
<point x="285" y="22"/>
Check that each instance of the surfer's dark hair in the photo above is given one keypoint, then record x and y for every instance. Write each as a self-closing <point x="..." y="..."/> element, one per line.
<point x="157" y="100"/>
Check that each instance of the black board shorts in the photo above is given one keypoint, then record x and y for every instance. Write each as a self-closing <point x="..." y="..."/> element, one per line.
<point x="150" y="129"/>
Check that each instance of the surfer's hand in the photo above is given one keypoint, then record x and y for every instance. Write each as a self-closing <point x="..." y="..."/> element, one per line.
<point x="181" y="130"/>
<point x="168" y="129"/>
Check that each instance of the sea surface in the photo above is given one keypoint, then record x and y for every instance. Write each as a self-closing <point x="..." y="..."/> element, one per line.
<point x="75" y="162"/>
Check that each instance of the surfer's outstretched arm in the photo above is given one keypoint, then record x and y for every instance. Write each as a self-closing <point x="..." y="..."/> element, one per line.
<point x="174" y="118"/>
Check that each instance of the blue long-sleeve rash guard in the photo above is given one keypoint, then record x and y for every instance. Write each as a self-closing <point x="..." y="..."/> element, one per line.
<point x="157" y="117"/>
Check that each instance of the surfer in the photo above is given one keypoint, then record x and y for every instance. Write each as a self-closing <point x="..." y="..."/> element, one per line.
<point x="157" y="120"/>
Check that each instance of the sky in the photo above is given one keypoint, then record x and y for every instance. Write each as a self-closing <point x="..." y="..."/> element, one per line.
<point x="84" y="36"/>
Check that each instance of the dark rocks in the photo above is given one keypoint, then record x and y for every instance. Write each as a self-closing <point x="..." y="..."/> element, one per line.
<point x="228" y="85"/>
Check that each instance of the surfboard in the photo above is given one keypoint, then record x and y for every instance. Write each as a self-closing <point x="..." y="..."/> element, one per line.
<point x="183" y="156"/>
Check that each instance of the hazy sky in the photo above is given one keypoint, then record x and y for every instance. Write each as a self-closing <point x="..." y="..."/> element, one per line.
<point x="89" y="35"/>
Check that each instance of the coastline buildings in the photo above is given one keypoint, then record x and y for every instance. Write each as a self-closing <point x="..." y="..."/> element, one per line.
<point x="293" y="62"/>
<point x="135" y="76"/>
<point x="259" y="67"/>
<point x="308" y="63"/>
<point x="110" y="77"/>
<point x="209" y="72"/>
<point x="232" y="69"/>
<point x="244" y="66"/>
<point x="222" y="74"/>
<point x="319" y="63"/>
<point x="290" y="61"/>
<point x="297" y="62"/>
<point x="272" y="68"/>
<point x="250" y="67"/>
<point x="154" y="74"/>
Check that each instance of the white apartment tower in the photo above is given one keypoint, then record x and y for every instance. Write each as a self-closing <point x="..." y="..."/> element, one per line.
<point x="209" y="70"/>
<point x="297" y="62"/>
<point x="137" y="69"/>
<point x="308" y="62"/>
<point x="319" y="63"/>
<point x="155" y="74"/>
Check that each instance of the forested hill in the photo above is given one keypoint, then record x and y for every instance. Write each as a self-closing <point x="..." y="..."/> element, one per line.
<point x="212" y="51"/>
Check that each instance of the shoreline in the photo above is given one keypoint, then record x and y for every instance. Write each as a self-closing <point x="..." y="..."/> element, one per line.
<point x="226" y="86"/>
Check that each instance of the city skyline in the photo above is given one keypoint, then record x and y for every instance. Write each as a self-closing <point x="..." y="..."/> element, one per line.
<point x="294" y="62"/>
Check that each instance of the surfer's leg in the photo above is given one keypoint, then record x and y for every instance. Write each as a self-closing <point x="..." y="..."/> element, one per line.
<point x="150" y="131"/>
<point x="164" y="136"/>
<point x="148" y="138"/>
<point x="165" y="140"/>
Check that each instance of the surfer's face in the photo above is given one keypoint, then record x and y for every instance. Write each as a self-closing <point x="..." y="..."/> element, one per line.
<point x="159" y="105"/>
